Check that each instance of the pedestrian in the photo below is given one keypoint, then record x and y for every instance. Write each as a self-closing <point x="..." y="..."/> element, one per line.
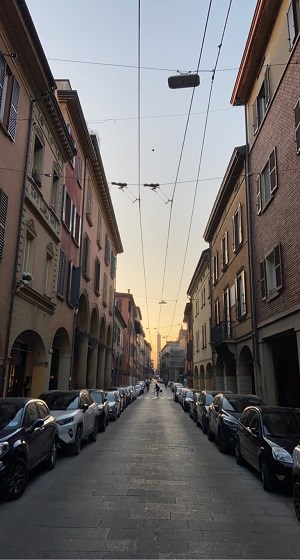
<point x="26" y="386"/>
<point x="157" y="389"/>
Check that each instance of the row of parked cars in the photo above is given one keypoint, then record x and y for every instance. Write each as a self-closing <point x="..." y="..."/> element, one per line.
<point x="32" y="429"/>
<point x="266" y="438"/>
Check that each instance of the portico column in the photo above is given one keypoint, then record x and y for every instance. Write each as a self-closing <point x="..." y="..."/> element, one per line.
<point x="82" y="341"/>
<point x="100" y="366"/>
<point x="64" y="372"/>
<point x="92" y="364"/>
<point x="40" y="377"/>
<point x="107" y="372"/>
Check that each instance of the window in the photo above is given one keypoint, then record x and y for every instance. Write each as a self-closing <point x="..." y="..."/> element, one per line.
<point x="49" y="270"/>
<point x="3" y="214"/>
<point x="28" y="252"/>
<point x="240" y="295"/>
<point x="224" y="250"/>
<point x="237" y="233"/>
<point x="97" y="277"/>
<point x="89" y="201"/>
<point x="293" y="22"/>
<point x="204" y="336"/>
<point x="73" y="285"/>
<point x="79" y="168"/>
<point x="76" y="227"/>
<point x="86" y="257"/>
<point x="110" y="301"/>
<point x="262" y="101"/>
<point x="197" y="306"/>
<point x="54" y="189"/>
<point x="215" y="268"/>
<point x="99" y="230"/>
<point x="297" y="125"/>
<point x="9" y="98"/>
<point x="104" y="300"/>
<point x="271" y="280"/>
<point x="107" y="251"/>
<point x="38" y="156"/>
<point x="226" y="311"/>
<point x="31" y="414"/>
<point x="266" y="183"/>
<point x="113" y="265"/>
<point x="197" y="341"/>
<point x="61" y="282"/>
<point x="203" y="297"/>
<point x="217" y="312"/>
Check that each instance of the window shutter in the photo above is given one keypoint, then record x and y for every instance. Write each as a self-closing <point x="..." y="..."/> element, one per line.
<point x="226" y="248"/>
<point x="243" y="295"/>
<point x="278" y="266"/>
<point x="258" y="194"/>
<point x="267" y="86"/>
<point x="291" y="24"/>
<point x="97" y="276"/>
<point x="70" y="280"/>
<point x="3" y="214"/>
<point x="263" y="286"/>
<point x="297" y="125"/>
<point x="273" y="171"/>
<point x="233" y="234"/>
<point x="62" y="274"/>
<point x="255" y="115"/>
<point x="63" y="204"/>
<point x="2" y="76"/>
<point x="240" y="224"/>
<point x="12" y="121"/>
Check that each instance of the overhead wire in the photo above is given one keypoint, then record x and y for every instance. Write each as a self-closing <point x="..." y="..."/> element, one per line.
<point x="201" y="154"/>
<point x="180" y="159"/>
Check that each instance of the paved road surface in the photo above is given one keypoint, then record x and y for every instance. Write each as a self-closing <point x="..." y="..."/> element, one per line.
<point x="152" y="486"/>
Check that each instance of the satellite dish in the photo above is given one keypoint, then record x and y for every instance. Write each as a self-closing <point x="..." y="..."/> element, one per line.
<point x="183" y="81"/>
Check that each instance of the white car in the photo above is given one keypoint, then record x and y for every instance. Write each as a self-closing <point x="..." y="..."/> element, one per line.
<point x="76" y="414"/>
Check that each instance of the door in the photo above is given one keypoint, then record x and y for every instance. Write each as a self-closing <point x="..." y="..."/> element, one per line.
<point x="214" y="414"/>
<point x="49" y="428"/>
<point x="87" y="416"/>
<point x="253" y="439"/>
<point x="35" y="438"/>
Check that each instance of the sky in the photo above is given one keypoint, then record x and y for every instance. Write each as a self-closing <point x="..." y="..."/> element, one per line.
<point x="118" y="55"/>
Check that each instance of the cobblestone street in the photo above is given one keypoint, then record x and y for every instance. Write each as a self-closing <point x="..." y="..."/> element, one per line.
<point x="152" y="486"/>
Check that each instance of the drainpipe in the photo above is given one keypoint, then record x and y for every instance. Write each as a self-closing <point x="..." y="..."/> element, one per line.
<point x="258" y="386"/>
<point x="80" y="257"/>
<point x="12" y="299"/>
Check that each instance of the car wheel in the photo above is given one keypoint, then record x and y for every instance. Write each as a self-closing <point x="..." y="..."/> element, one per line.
<point x="267" y="479"/>
<point x="221" y="441"/>
<point x="76" y="446"/>
<point x="296" y="497"/>
<point x="102" y="425"/>
<point x="238" y="456"/>
<point x="93" y="436"/>
<point x="51" y="460"/>
<point x="204" y="425"/>
<point x="17" y="481"/>
<point x="210" y="435"/>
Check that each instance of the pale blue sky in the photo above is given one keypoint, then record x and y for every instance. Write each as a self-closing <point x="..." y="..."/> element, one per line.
<point x="106" y="31"/>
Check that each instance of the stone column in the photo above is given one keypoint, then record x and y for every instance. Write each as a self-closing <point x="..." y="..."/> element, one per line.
<point x="82" y="339"/>
<point x="92" y="364"/>
<point x="100" y="366"/>
<point x="64" y="372"/>
<point x="107" y="372"/>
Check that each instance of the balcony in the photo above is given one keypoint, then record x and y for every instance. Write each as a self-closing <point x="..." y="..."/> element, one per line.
<point x="222" y="333"/>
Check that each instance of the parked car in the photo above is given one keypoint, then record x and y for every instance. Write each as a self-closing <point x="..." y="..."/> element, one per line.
<point x="114" y="402"/>
<point x="181" y="394"/>
<point x="103" y="408"/>
<point x="28" y="437"/>
<point x="266" y="438"/>
<point x="174" y="385"/>
<point x="224" y="413"/>
<point x="123" y="397"/>
<point x="193" y="405"/>
<point x="177" y="389"/>
<point x="296" y="480"/>
<point x="138" y="390"/>
<point x="187" y="397"/>
<point x="201" y="413"/>
<point x="76" y="414"/>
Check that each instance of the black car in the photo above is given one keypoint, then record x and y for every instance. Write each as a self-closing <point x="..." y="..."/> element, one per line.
<point x="187" y="399"/>
<point x="224" y="413"/>
<point x="28" y="437"/>
<point x="266" y="438"/>
<point x="201" y="409"/>
<point x="193" y="405"/>
<point x="103" y="408"/>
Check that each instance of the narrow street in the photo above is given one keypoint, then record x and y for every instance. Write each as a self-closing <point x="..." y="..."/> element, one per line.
<point x="152" y="486"/>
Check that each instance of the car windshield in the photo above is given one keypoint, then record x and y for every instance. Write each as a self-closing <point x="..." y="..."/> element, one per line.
<point x="189" y="394"/>
<point x="61" y="400"/>
<point x="208" y="399"/>
<point x="97" y="397"/>
<point x="111" y="397"/>
<point x="281" y="423"/>
<point x="238" y="404"/>
<point x="10" y="416"/>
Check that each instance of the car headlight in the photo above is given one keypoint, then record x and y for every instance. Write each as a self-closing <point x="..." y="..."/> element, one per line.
<point x="281" y="454"/>
<point x="63" y="421"/>
<point x="4" y="447"/>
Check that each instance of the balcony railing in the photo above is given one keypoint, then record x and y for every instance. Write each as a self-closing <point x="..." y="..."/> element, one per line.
<point x="222" y="332"/>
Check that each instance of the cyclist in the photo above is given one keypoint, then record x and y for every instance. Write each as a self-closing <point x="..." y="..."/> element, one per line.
<point x="157" y="389"/>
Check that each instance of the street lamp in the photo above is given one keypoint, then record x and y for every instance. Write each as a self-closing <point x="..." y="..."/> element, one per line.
<point x="183" y="80"/>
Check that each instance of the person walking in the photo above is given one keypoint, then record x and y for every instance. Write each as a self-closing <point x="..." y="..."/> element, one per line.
<point x="157" y="389"/>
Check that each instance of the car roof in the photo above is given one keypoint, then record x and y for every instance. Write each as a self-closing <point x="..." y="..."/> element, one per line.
<point x="58" y="392"/>
<point x="262" y="408"/>
<point x="16" y="400"/>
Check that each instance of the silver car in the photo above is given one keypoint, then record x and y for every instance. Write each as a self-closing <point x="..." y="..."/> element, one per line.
<point x="76" y="414"/>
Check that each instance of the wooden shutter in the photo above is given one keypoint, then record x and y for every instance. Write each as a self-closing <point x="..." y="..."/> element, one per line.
<point x="291" y="24"/>
<point x="63" y="204"/>
<point x="62" y="274"/>
<point x="2" y="77"/>
<point x="267" y="86"/>
<point x="3" y="214"/>
<point x="97" y="276"/>
<point x="13" y="113"/>
<point x="273" y="171"/>
<point x="278" y="266"/>
<point x="263" y="286"/>
<point x="240" y="231"/>
<point x="297" y="125"/>
<point x="255" y="116"/>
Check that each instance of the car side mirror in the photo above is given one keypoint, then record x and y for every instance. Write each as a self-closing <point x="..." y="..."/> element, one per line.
<point x="37" y="423"/>
<point x="85" y="406"/>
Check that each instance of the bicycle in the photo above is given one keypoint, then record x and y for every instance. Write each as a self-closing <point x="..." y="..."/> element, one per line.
<point x="155" y="395"/>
